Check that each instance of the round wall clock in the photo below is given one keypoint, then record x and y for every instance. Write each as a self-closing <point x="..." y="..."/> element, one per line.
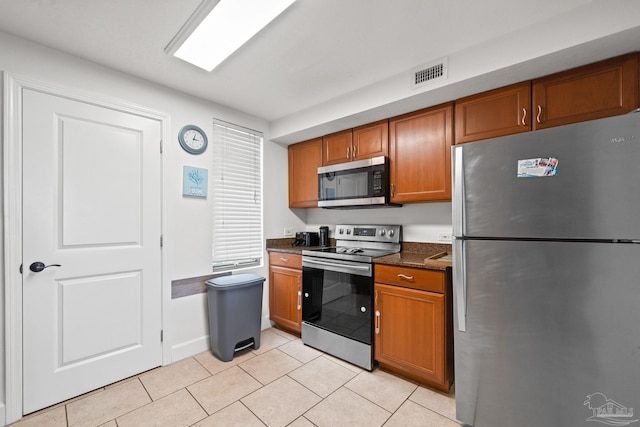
<point x="192" y="139"/>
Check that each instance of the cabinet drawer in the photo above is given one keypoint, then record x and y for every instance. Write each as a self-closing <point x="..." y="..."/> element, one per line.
<point x="285" y="260"/>
<point x="415" y="278"/>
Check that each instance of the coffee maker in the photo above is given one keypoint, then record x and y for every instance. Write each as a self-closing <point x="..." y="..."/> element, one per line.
<point x="324" y="236"/>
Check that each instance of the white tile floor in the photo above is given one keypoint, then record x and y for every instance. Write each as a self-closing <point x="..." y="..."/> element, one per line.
<point x="284" y="383"/>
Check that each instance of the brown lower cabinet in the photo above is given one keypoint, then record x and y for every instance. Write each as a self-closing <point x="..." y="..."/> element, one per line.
<point x="285" y="290"/>
<point x="413" y="324"/>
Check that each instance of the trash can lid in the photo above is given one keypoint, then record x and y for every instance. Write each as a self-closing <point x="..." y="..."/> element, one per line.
<point x="235" y="280"/>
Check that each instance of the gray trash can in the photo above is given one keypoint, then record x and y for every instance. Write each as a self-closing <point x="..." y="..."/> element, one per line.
<point x="235" y="311"/>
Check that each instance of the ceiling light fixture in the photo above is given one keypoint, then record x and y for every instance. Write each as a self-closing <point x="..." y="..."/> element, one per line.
<point x="227" y="25"/>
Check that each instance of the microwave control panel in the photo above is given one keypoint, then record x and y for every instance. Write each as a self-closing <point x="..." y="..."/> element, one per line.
<point x="377" y="182"/>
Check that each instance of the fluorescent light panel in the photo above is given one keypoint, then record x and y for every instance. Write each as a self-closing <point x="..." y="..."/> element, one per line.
<point x="228" y="26"/>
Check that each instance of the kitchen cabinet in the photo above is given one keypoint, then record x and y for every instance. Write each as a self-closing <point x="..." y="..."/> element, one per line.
<point x="594" y="91"/>
<point x="336" y="148"/>
<point x="418" y="144"/>
<point x="603" y="89"/>
<point x="371" y="140"/>
<point x="304" y="160"/>
<point x="364" y="142"/>
<point x="413" y="324"/>
<point x="498" y="112"/>
<point x="420" y="155"/>
<point x="285" y="290"/>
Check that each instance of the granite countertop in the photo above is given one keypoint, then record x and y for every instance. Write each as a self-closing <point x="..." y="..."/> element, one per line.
<point x="413" y="254"/>
<point x="285" y="245"/>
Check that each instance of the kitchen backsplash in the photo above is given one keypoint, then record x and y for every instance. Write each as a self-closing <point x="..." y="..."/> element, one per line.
<point x="421" y="222"/>
<point x="410" y="233"/>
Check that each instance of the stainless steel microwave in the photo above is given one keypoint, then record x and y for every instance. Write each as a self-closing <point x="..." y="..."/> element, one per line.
<point x="359" y="184"/>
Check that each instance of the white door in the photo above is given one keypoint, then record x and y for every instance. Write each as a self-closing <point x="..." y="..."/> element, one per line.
<point x="92" y="204"/>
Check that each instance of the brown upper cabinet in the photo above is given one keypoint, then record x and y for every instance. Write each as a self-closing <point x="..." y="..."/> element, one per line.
<point x="361" y="143"/>
<point x="603" y="89"/>
<point x="498" y="112"/>
<point x="420" y="155"/>
<point x="336" y="148"/>
<point x="371" y="140"/>
<point x="304" y="160"/>
<point x="418" y="144"/>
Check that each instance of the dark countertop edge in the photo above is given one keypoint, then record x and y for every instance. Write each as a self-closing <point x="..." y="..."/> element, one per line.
<point x="412" y="254"/>
<point x="285" y="245"/>
<point x="414" y="260"/>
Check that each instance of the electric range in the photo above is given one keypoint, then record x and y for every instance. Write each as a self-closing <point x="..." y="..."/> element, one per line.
<point x="337" y="287"/>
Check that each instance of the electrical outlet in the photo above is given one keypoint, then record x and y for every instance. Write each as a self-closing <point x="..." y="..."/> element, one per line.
<point x="444" y="237"/>
<point x="288" y="232"/>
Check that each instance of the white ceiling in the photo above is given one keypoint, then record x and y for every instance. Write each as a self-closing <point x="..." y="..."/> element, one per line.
<point x="317" y="51"/>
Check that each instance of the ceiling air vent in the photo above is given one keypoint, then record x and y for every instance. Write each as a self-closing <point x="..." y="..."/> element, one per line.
<point x="429" y="73"/>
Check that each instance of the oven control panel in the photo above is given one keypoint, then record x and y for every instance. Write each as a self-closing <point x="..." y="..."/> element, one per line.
<point x="370" y="233"/>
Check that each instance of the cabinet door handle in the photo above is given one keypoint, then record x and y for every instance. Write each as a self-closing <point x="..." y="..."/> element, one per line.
<point x="348" y="152"/>
<point x="377" y="322"/>
<point x="355" y="150"/>
<point x="284" y="259"/>
<point x="405" y="277"/>
<point x="393" y="190"/>
<point x="299" y="300"/>
<point x="539" y="113"/>
<point x="524" y="116"/>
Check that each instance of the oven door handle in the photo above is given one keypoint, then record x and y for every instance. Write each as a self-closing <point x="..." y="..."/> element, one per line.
<point x="330" y="264"/>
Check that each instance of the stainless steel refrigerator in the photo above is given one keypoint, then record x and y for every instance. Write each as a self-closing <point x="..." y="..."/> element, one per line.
<point x="546" y="277"/>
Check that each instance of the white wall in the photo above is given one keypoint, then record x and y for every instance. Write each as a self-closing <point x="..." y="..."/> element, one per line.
<point x="187" y="225"/>
<point x="421" y="222"/>
<point x="597" y="30"/>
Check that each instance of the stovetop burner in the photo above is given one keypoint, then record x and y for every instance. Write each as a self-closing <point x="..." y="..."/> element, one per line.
<point x="361" y="243"/>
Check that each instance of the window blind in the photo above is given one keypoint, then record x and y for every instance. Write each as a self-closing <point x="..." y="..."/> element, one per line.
<point x="237" y="197"/>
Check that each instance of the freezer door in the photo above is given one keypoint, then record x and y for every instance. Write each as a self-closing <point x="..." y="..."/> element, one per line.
<point x="551" y="328"/>
<point x="577" y="182"/>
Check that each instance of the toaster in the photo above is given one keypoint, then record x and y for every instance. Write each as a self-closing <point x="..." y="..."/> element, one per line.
<point x="307" y="238"/>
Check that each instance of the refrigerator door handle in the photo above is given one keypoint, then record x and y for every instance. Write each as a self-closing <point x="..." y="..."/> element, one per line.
<point x="460" y="284"/>
<point x="458" y="192"/>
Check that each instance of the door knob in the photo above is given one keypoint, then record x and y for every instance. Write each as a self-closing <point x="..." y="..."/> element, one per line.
<point x="38" y="266"/>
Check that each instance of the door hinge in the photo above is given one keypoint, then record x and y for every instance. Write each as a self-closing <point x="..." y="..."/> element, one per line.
<point x="160" y="146"/>
<point x="161" y="335"/>
<point x="161" y="240"/>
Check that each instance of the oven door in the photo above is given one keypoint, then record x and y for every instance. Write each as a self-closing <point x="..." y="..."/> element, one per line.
<point x="338" y="297"/>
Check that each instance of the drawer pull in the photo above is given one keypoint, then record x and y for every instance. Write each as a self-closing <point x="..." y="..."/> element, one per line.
<point x="284" y="259"/>
<point x="377" y="322"/>
<point x="405" y="277"/>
